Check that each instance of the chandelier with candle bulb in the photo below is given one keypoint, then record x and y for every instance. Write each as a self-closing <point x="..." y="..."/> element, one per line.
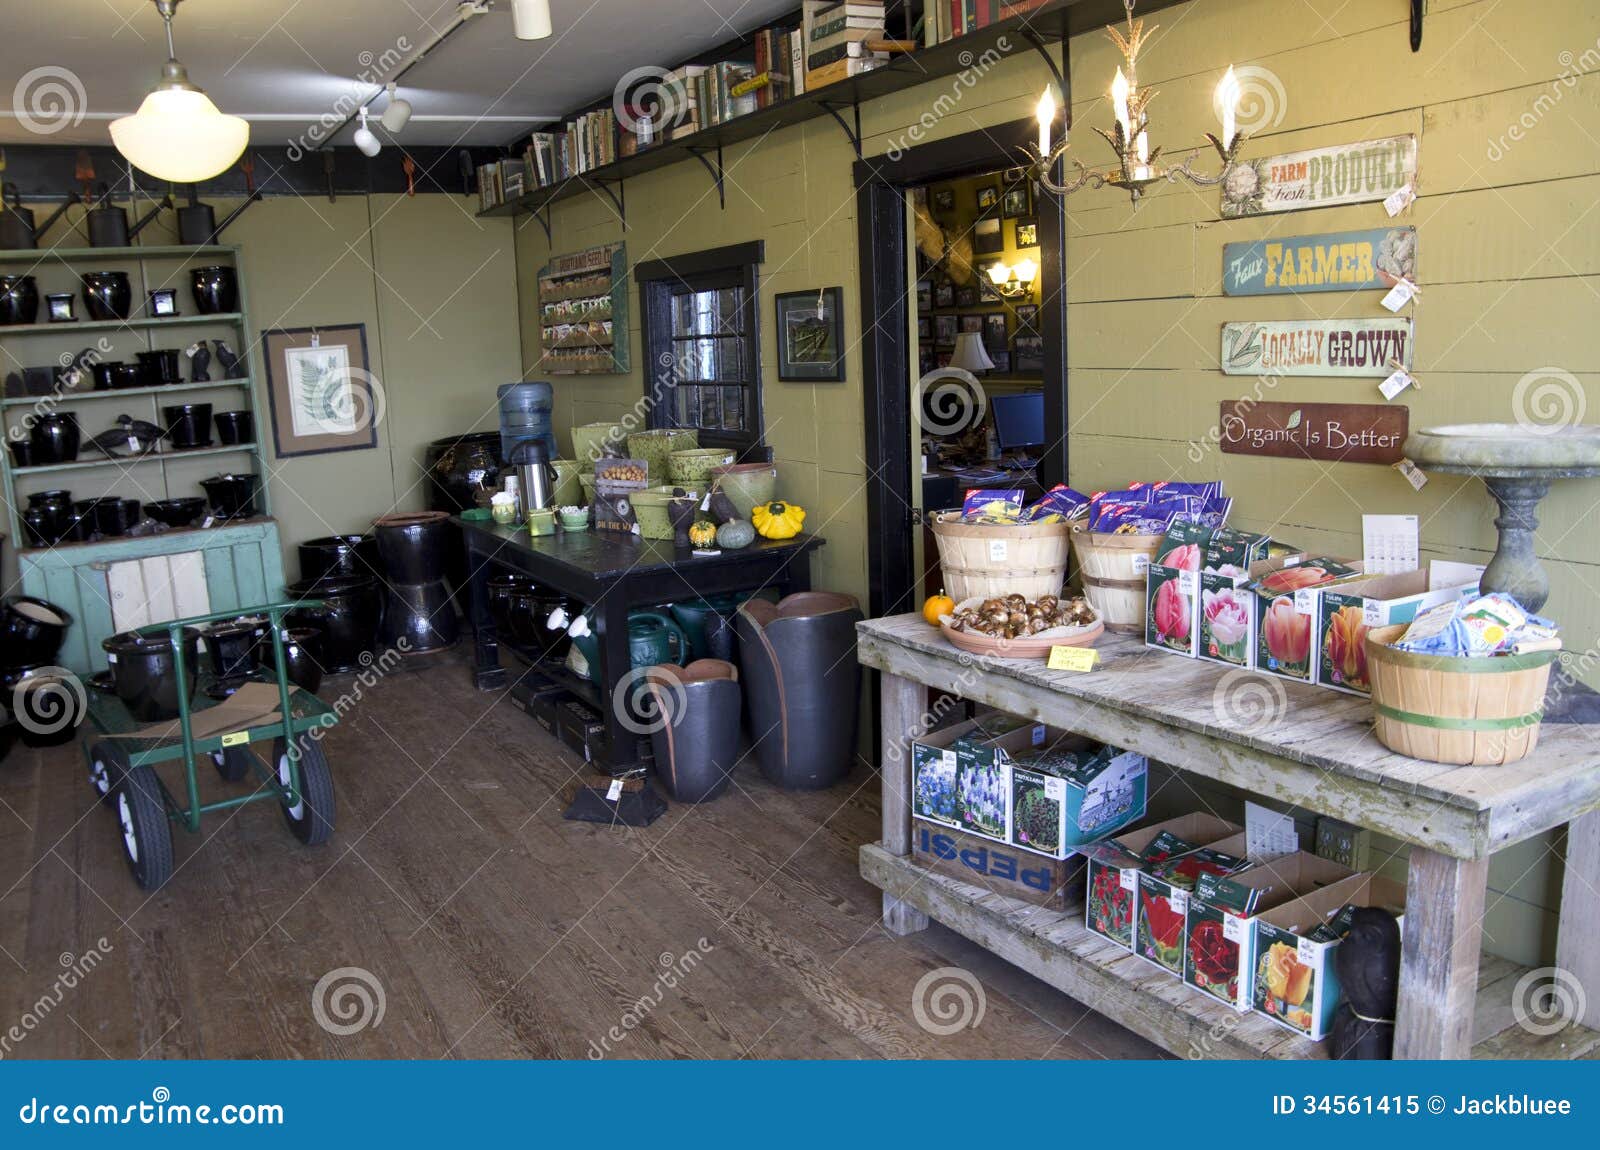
<point x="1138" y="164"/>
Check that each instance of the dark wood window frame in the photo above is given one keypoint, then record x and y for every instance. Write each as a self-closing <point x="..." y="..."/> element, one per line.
<point x="735" y="265"/>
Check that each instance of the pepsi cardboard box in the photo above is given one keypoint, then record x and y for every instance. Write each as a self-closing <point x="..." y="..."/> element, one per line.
<point x="1219" y="955"/>
<point x="934" y="765"/>
<point x="1347" y="612"/>
<point x="1115" y="863"/>
<point x="1296" y="981"/>
<point x="997" y="867"/>
<point x="1072" y="793"/>
<point x="1288" y="593"/>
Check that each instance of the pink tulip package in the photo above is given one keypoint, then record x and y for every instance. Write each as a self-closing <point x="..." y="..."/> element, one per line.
<point x="1192" y="559"/>
<point x="1172" y="590"/>
<point x="1288" y="594"/>
<point x="1226" y="612"/>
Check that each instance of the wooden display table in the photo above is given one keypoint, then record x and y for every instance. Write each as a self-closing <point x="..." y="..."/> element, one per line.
<point x="1317" y="753"/>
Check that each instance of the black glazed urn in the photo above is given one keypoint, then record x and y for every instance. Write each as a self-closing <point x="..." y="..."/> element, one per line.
<point x="460" y="467"/>
<point x="215" y="289"/>
<point x="19" y="300"/>
<point x="55" y="437"/>
<point x="302" y="657"/>
<point x="415" y="547"/>
<point x="144" y="671"/>
<point x="420" y="615"/>
<point x="235" y="427"/>
<point x="187" y="425"/>
<point x="348" y="555"/>
<point x="351" y="611"/>
<point x="231" y="496"/>
<point x="31" y="630"/>
<point x="107" y="295"/>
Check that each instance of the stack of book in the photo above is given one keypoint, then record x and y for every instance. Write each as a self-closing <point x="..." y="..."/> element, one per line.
<point x="588" y="142"/>
<point x="947" y="19"/>
<point x="836" y="39"/>
<point x="501" y="182"/>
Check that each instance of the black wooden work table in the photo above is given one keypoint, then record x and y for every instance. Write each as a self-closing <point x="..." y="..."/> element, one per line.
<point x="614" y="574"/>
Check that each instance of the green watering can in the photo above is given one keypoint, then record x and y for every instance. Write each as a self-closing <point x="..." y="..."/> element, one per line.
<point x="653" y="638"/>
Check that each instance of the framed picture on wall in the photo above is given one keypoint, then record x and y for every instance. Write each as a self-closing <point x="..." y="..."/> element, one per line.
<point x="944" y="294"/>
<point x="972" y="323"/>
<point x="1028" y="354"/>
<point x="988" y="196"/>
<point x="924" y="328"/>
<point x="1028" y="319"/>
<point x="994" y="332"/>
<point x="1001" y="361"/>
<point x="986" y="237"/>
<point x="1027" y="234"/>
<point x="944" y="329"/>
<point x="811" y="336"/>
<point x="944" y="201"/>
<point x="988" y="292"/>
<point x="321" y="395"/>
<point x="1016" y="202"/>
<point x="924" y="296"/>
<point x="967" y="295"/>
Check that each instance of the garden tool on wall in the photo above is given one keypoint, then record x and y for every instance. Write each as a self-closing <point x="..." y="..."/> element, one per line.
<point x="197" y="222"/>
<point x="409" y="166"/>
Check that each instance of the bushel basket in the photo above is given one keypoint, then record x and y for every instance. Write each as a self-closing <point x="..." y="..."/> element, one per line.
<point x="991" y="560"/>
<point x="1112" y="568"/>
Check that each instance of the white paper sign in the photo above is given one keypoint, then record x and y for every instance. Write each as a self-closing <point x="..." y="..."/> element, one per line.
<point x="1414" y="474"/>
<point x="1396" y="383"/>
<point x="1267" y="833"/>
<point x="1401" y="294"/>
<point x="1389" y="543"/>
<point x="614" y="791"/>
<point x="1399" y="200"/>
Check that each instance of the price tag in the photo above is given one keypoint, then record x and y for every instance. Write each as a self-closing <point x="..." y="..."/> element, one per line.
<point x="235" y="738"/>
<point x="1396" y="383"/>
<point x="1073" y="658"/>
<point x="1414" y="474"/>
<point x="1055" y="789"/>
<point x="1401" y="294"/>
<point x="1397" y="202"/>
<point x="1305" y="601"/>
<point x="1127" y="878"/>
<point x="1306" y="952"/>
<point x="705" y="504"/>
<point x="614" y="791"/>
<point x="1141" y="564"/>
<point x="1371" y="613"/>
<point x="947" y="759"/>
<point x="1188" y="581"/>
<point x="1178" y="900"/>
<point x="1232" y="927"/>
<point x="998" y="551"/>
<point x="133" y="444"/>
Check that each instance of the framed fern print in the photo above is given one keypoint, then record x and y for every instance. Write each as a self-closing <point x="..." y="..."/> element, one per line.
<point x="322" y="396"/>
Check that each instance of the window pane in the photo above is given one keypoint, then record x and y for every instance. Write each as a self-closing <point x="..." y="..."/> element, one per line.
<point x="733" y="409"/>
<point x="687" y="406"/>
<point x="733" y="310"/>
<point x="710" y="408"/>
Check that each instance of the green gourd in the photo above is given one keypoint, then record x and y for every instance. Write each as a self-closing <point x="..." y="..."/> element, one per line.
<point x="735" y="533"/>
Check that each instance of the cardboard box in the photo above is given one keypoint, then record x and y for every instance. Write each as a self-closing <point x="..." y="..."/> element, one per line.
<point x="1074" y="792"/>
<point x="983" y="777"/>
<point x="1286" y="620"/>
<point x="1159" y="919"/>
<point x="1296" y="983"/>
<point x="934" y="766"/>
<point x="1114" y="865"/>
<point x="1219" y="949"/>
<point x="1224" y="611"/>
<point x="1046" y="882"/>
<point x="1347" y="612"/>
<point x="1172" y="590"/>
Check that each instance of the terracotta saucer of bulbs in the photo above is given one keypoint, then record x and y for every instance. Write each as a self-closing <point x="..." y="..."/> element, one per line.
<point x="1015" y="627"/>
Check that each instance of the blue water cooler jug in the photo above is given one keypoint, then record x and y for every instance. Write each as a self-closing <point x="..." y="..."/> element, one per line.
<point x="525" y="414"/>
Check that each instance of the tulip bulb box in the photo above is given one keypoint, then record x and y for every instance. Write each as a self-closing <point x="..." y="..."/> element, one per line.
<point x="1192" y="558"/>
<point x="1347" y="612"/>
<point x="1219" y="955"/>
<point x="1296" y="981"/>
<point x="1114" y="866"/>
<point x="1068" y="795"/>
<point x="1288" y="593"/>
<point x="1164" y="889"/>
<point x="983" y="776"/>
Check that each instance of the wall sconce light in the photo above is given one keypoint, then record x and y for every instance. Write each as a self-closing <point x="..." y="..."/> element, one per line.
<point x="1014" y="280"/>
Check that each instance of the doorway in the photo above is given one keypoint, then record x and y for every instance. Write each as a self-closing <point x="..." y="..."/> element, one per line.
<point x="887" y="194"/>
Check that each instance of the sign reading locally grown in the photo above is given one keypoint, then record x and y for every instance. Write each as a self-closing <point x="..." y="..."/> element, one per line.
<point x="1337" y="432"/>
<point x="1332" y="261"/>
<point x="1347" y="347"/>
<point x="1319" y="177"/>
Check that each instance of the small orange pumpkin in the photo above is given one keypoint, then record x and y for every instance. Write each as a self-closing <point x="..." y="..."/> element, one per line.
<point x="937" y="605"/>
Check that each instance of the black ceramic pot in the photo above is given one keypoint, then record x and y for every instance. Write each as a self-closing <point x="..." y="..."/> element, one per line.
<point x="46" y="525"/>
<point x="231" y="496"/>
<point x="113" y="518"/>
<point x="55" y="437"/>
<point x="176" y="512"/>
<point x="102" y="373"/>
<point x="145" y="672"/>
<point x="231" y="646"/>
<point x="21" y="452"/>
<point x="107" y="295"/>
<point x="349" y="619"/>
<point x="501" y="589"/>
<point x="339" y="555"/>
<point x="215" y="290"/>
<point x="46" y="704"/>
<point x="422" y="616"/>
<point x="460" y="466"/>
<point x="188" y="425"/>
<point x="19" y="300"/>
<point x="302" y="657"/>
<point x="235" y="427"/>
<point x="57" y="497"/>
<point x="31" y="630"/>
<point x="414" y="547"/>
<point x="159" y="367"/>
<point x="125" y="375"/>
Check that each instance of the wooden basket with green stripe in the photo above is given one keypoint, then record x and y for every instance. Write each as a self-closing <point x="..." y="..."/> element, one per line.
<point x="1470" y="712"/>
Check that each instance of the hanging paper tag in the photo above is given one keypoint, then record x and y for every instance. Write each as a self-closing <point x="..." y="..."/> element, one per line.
<point x="705" y="504"/>
<point x="234" y="738"/>
<point x="1413" y="474"/>
<point x="133" y="444"/>
<point x="614" y="791"/>
<point x="1396" y="383"/>
<point x="998" y="551"/>
<point x="1233" y="927"/>
<point x="1178" y="900"/>
<point x="1127" y="878"/>
<point x="1397" y="202"/>
<point x="1401" y="294"/>
<point x="1073" y="658"/>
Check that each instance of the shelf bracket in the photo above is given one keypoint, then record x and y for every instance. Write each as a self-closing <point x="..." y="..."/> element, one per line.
<point x="618" y="198"/>
<point x="1039" y="46"/>
<point x="853" y="134"/>
<point x="1416" y="24"/>
<point x="716" y="173"/>
<point x="542" y="218"/>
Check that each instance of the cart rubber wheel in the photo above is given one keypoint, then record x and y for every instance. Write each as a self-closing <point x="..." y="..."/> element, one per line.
<point x="146" y="832"/>
<point x="108" y="763"/>
<point x="233" y="763"/>
<point x="311" y="819"/>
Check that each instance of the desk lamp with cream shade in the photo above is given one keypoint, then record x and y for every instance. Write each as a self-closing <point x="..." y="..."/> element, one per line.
<point x="970" y="354"/>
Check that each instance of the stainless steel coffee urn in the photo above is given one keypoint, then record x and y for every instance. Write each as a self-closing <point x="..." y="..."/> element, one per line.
<point x="536" y="479"/>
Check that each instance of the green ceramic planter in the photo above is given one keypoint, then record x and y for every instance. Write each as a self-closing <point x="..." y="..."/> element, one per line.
<point x="694" y="466"/>
<point x="746" y="485"/>
<point x="569" y="490"/>
<point x="589" y="440"/>
<point x="650" y="509"/>
<point x="656" y="448"/>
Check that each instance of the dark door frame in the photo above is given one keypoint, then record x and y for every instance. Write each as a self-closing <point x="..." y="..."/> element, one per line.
<point x="881" y="185"/>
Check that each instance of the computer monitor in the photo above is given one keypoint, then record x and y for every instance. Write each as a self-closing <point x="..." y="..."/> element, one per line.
<point x="1018" y="420"/>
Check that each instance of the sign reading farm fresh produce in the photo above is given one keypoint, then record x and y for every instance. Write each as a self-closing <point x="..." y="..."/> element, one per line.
<point x="1337" y="432"/>
<point x="1348" y="347"/>
<point x="1333" y="261"/>
<point x="1319" y="177"/>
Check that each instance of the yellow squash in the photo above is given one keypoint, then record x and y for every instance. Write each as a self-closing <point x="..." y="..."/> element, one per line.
<point x="778" y="520"/>
<point x="703" y="534"/>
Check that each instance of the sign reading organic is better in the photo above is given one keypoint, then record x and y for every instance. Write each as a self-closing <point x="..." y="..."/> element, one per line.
<point x="1349" y="347"/>
<point x="1333" y="261"/>
<point x="1338" y="432"/>
<point x="1319" y="177"/>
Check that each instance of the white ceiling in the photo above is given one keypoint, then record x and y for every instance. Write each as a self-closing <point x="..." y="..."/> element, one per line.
<point x="286" y="63"/>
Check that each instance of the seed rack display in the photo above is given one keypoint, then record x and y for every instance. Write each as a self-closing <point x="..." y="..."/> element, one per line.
<point x="583" y="312"/>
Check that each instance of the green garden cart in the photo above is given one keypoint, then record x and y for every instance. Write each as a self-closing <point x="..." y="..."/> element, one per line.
<point x="122" y="766"/>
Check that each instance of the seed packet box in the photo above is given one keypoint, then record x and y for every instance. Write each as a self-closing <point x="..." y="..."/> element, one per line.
<point x="1225" y="611"/>
<point x="983" y="778"/>
<point x="1160" y="919"/>
<point x="1286" y="619"/>
<point x="1219" y="957"/>
<point x="1072" y="793"/>
<point x="1172" y="590"/>
<point x="1296" y="982"/>
<point x="934" y="767"/>
<point x="1346" y="613"/>
<point x="1115" y="863"/>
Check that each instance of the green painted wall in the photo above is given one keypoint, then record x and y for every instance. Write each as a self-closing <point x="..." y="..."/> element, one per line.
<point x="1509" y="263"/>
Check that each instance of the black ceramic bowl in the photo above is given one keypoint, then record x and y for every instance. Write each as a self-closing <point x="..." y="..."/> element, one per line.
<point x="188" y="425"/>
<point x="19" y="300"/>
<point x="55" y="437"/>
<point x="31" y="630"/>
<point x="107" y="295"/>
<point x="114" y="517"/>
<point x="46" y="703"/>
<point x="176" y="512"/>
<point x="125" y="375"/>
<point x="232" y="645"/>
<point x="46" y="525"/>
<point x="231" y="496"/>
<point x="215" y="289"/>
<point x="145" y="671"/>
<point x="336" y="555"/>
<point x="235" y="427"/>
<point x="102" y="373"/>
<point x="302" y="657"/>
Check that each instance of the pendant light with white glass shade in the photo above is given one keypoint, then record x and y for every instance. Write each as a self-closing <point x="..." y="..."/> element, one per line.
<point x="178" y="134"/>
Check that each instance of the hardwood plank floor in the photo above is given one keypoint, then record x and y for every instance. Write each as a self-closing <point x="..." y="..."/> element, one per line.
<point x="487" y="926"/>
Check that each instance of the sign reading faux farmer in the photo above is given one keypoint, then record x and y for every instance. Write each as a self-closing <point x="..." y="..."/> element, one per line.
<point x="1319" y="177"/>
<point x="1347" y="347"/>
<point x="1332" y="261"/>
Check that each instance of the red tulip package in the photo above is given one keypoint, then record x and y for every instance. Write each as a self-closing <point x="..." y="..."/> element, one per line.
<point x="1115" y="863"/>
<point x="1159" y="922"/>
